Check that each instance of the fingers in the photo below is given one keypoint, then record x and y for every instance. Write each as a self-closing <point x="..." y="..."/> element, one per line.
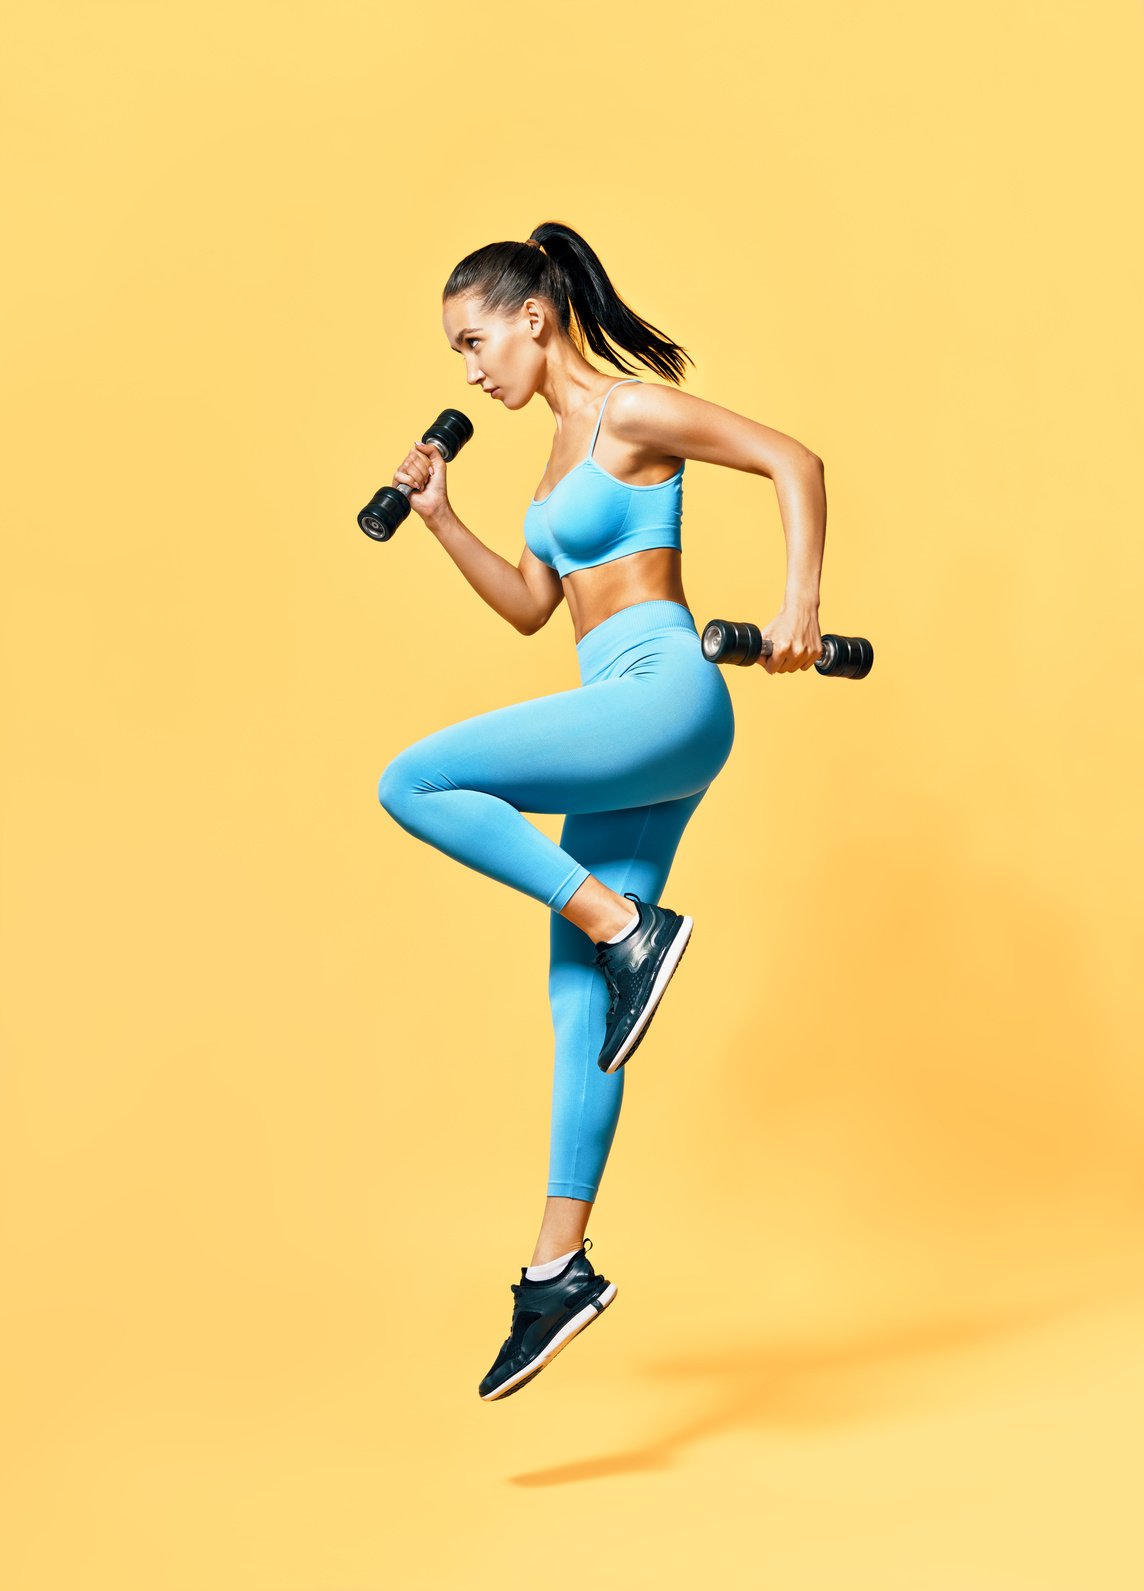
<point x="417" y="467"/>
<point x="788" y="660"/>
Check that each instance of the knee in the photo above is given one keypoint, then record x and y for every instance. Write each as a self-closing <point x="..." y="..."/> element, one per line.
<point x="410" y="774"/>
<point x="396" y="785"/>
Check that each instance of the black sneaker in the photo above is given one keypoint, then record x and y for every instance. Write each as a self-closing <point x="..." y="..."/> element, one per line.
<point x="545" y="1318"/>
<point x="637" y="970"/>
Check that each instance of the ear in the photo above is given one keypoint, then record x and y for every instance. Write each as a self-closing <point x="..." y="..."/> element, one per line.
<point x="536" y="316"/>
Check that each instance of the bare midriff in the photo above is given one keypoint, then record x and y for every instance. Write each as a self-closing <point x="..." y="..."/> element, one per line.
<point x="594" y="594"/>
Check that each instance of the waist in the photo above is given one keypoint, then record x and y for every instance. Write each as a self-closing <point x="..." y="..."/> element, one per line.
<point x="629" y="624"/>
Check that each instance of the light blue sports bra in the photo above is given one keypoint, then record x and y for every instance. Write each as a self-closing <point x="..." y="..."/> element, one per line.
<point x="591" y="517"/>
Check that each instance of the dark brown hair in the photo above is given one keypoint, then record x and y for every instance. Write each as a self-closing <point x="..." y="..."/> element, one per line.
<point x="556" y="264"/>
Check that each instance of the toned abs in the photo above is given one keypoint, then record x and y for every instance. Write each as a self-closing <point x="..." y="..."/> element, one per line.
<point x="593" y="595"/>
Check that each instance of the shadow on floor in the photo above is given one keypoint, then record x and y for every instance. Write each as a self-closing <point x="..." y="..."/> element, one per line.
<point x="803" y="1385"/>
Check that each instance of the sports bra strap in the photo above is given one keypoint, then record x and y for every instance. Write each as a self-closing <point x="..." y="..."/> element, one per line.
<point x="625" y="383"/>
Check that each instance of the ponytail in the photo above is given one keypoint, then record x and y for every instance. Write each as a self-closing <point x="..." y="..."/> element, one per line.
<point x="556" y="264"/>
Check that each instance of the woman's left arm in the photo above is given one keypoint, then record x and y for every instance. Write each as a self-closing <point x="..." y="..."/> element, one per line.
<point x="794" y="634"/>
<point x="680" y="425"/>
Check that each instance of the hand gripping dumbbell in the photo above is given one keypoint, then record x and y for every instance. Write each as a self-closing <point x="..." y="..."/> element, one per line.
<point x="844" y="656"/>
<point x="389" y="505"/>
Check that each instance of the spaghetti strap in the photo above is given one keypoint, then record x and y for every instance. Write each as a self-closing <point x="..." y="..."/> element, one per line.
<point x="625" y="383"/>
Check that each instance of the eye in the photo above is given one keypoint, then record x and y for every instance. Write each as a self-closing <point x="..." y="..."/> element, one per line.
<point x="472" y="339"/>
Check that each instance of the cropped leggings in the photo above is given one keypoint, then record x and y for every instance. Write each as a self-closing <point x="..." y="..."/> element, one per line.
<point x="627" y="756"/>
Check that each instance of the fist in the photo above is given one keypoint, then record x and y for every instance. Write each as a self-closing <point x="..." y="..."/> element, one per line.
<point x="423" y="469"/>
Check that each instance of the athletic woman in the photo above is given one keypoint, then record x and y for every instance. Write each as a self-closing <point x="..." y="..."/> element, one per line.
<point x="629" y="754"/>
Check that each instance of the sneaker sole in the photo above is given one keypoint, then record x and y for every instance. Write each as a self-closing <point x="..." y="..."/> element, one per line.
<point x="662" y="978"/>
<point x="563" y="1337"/>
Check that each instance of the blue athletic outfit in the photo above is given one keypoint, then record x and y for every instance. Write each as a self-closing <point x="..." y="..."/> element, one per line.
<point x="627" y="757"/>
<point x="594" y="518"/>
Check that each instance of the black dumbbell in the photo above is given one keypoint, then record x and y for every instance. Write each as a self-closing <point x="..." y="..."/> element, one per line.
<point x="844" y="656"/>
<point x="389" y="505"/>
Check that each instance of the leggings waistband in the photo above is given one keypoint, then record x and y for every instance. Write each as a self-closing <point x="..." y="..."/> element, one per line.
<point x="606" y="639"/>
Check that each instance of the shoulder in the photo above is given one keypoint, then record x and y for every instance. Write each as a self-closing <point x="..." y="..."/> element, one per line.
<point x="652" y="415"/>
<point x="657" y="416"/>
<point x="642" y="403"/>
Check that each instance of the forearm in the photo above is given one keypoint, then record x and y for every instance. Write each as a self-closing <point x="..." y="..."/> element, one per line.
<point x="492" y="577"/>
<point x="801" y="490"/>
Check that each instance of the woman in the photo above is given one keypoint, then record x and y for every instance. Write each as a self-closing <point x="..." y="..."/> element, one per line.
<point x="630" y="754"/>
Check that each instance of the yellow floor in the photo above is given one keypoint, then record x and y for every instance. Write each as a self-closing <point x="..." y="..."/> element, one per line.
<point x="986" y="1450"/>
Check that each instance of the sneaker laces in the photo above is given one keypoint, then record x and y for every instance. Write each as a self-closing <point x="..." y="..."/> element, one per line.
<point x="518" y="1315"/>
<point x="603" y="961"/>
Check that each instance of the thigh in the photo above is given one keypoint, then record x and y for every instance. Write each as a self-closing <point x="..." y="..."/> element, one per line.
<point x="613" y="744"/>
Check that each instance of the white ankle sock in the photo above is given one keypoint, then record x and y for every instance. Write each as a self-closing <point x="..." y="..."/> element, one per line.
<point x="624" y="931"/>
<point x="550" y="1268"/>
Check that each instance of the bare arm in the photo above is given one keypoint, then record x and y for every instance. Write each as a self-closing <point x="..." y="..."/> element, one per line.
<point x="668" y="424"/>
<point x="527" y="595"/>
<point x="801" y="489"/>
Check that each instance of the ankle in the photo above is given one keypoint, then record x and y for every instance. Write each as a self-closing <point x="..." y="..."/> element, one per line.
<point x="545" y="1270"/>
<point x="546" y="1252"/>
<point x="597" y="910"/>
<point x="622" y="917"/>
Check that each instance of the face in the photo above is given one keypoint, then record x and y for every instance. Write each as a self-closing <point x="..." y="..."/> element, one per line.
<point x="502" y="354"/>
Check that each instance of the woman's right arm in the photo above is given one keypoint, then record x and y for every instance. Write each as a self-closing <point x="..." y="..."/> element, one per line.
<point x="527" y="595"/>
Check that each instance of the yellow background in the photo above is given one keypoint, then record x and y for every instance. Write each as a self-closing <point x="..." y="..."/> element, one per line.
<point x="276" y="1075"/>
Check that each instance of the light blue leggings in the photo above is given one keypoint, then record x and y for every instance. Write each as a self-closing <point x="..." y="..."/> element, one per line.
<point x="627" y="756"/>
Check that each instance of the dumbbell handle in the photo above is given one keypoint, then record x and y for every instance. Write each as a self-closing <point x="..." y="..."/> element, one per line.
<point x="728" y="641"/>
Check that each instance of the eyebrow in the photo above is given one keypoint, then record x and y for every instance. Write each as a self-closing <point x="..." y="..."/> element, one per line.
<point x="462" y="332"/>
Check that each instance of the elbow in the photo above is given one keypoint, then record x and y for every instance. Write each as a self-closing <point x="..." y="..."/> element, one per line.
<point x="793" y="463"/>
<point x="530" y="623"/>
